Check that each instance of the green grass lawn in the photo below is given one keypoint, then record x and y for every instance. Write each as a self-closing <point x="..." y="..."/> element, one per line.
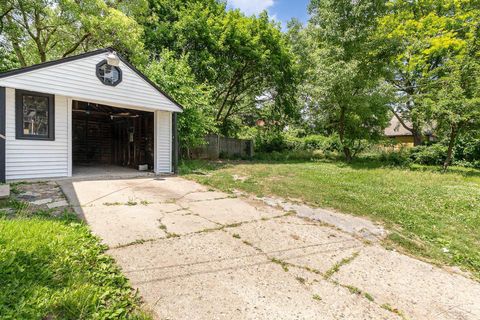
<point x="431" y="214"/>
<point x="53" y="268"/>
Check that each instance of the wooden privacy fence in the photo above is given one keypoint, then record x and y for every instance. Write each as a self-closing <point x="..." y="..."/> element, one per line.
<point x="221" y="147"/>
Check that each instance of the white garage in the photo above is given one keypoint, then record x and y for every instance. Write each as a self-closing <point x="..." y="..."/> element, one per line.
<point x="93" y="109"/>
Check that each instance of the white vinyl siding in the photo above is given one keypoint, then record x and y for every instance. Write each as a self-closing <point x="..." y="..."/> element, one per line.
<point x="31" y="159"/>
<point x="163" y="141"/>
<point x="77" y="79"/>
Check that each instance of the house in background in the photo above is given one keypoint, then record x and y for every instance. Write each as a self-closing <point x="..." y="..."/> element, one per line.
<point x="398" y="134"/>
<point x="85" y="111"/>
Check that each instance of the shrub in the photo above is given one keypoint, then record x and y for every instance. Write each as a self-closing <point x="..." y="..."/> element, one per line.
<point x="396" y="158"/>
<point x="271" y="142"/>
<point x="292" y="155"/>
<point x="434" y="154"/>
<point x="315" y="142"/>
<point x="467" y="150"/>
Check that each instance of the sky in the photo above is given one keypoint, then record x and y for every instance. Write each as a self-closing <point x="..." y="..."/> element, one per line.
<point x="280" y="10"/>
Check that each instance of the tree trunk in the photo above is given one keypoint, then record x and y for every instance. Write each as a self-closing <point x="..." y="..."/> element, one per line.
<point x="348" y="153"/>
<point x="417" y="137"/>
<point x="341" y="133"/>
<point x="451" y="144"/>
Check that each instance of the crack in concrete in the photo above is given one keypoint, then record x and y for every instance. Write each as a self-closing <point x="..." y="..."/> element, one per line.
<point x="285" y="264"/>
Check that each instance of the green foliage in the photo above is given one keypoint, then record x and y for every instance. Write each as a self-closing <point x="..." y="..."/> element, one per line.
<point x="290" y="155"/>
<point x="176" y="77"/>
<point x="343" y="88"/>
<point x="430" y="155"/>
<point x="394" y="158"/>
<point x="41" y="30"/>
<point x="55" y="269"/>
<point x="246" y="60"/>
<point x="316" y="142"/>
<point x="467" y="150"/>
<point x="422" y="38"/>
<point x="8" y="60"/>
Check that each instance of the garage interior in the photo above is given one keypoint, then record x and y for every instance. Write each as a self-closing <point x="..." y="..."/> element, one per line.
<point x="110" y="138"/>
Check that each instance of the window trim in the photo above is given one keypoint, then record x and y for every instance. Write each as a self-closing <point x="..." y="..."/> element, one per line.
<point x="19" y="135"/>
<point x="97" y="72"/>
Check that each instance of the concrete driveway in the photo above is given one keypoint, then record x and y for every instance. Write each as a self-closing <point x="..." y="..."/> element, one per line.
<point x="195" y="253"/>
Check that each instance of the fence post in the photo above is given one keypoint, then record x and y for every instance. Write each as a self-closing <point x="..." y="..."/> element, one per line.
<point x="250" y="148"/>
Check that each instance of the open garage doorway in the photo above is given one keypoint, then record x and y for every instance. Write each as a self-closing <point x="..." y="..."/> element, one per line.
<point x="111" y="141"/>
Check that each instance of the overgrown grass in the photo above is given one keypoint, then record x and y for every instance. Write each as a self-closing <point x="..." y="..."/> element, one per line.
<point x="431" y="214"/>
<point x="53" y="268"/>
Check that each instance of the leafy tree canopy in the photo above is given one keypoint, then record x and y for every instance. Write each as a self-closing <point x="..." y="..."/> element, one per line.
<point x="41" y="30"/>
<point x="342" y="75"/>
<point x="176" y="77"/>
<point x="421" y="35"/>
<point x="247" y="60"/>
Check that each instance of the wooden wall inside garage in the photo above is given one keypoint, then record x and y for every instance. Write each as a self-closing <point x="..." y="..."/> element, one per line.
<point x="102" y="136"/>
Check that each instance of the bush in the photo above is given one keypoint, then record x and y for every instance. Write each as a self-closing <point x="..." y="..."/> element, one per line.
<point x="315" y="142"/>
<point x="270" y="142"/>
<point x="292" y="155"/>
<point x="396" y="158"/>
<point x="467" y="150"/>
<point x="434" y="154"/>
<point x="267" y="142"/>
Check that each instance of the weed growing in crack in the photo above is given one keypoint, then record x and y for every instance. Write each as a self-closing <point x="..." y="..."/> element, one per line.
<point x="172" y="235"/>
<point x="234" y="225"/>
<point x="317" y="297"/>
<point x="139" y="241"/>
<point x="248" y="243"/>
<point x="301" y="280"/>
<point x="283" y="264"/>
<point x="338" y="265"/>
<point x="311" y="270"/>
<point x="131" y="203"/>
<point x="110" y="204"/>
<point x="388" y="307"/>
<point x="353" y="290"/>
<point x="368" y="296"/>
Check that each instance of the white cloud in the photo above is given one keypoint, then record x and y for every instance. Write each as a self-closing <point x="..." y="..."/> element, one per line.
<point x="251" y="6"/>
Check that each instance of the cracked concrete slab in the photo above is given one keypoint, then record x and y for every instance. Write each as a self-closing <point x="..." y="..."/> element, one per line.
<point x="155" y="190"/>
<point x="339" y="300"/>
<point x="418" y="289"/>
<point x="121" y="225"/>
<point x="173" y="258"/>
<point x="184" y="222"/>
<point x="204" y="196"/>
<point x="212" y="256"/>
<point x="229" y="211"/>
<point x="214" y="276"/>
<point x="299" y="242"/>
<point x="355" y="225"/>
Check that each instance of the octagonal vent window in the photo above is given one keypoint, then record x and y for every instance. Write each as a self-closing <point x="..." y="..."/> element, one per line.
<point x="109" y="75"/>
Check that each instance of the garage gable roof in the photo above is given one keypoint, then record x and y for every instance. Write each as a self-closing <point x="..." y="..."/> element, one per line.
<point x="76" y="77"/>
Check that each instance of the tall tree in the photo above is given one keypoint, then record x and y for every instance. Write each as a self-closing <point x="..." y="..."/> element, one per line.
<point x="422" y="34"/>
<point x="247" y="60"/>
<point x="41" y="30"/>
<point x="176" y="77"/>
<point x="453" y="97"/>
<point x="455" y="102"/>
<point x="344" y="78"/>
